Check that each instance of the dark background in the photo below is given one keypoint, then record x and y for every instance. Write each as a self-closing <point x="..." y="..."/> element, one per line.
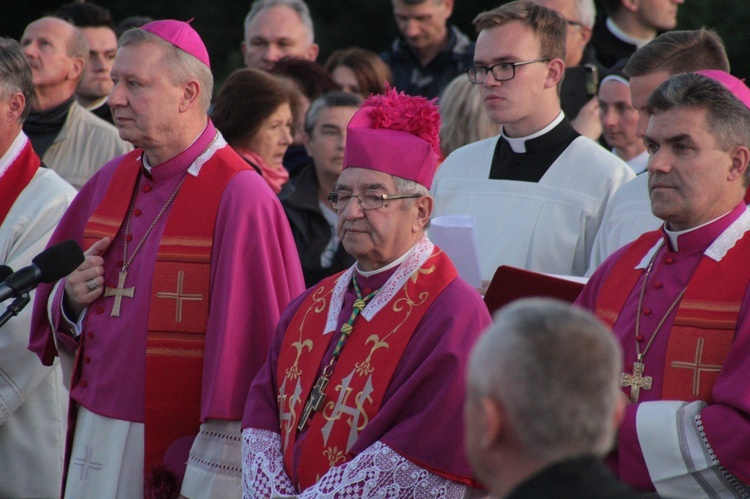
<point x="367" y="23"/>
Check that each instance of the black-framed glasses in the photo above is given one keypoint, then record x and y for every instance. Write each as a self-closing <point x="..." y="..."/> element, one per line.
<point x="502" y="71"/>
<point x="368" y="200"/>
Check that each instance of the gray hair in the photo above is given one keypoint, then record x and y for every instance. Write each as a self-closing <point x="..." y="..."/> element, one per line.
<point x="182" y="65"/>
<point x="727" y="117"/>
<point x="15" y="73"/>
<point x="556" y="371"/>
<point x="298" y="6"/>
<point x="586" y="12"/>
<point x="328" y="100"/>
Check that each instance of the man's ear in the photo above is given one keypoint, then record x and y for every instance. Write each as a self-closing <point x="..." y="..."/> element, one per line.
<point x="425" y="206"/>
<point x="493" y="422"/>
<point x="190" y="93"/>
<point x="555" y="72"/>
<point x="740" y="160"/>
<point x="16" y="105"/>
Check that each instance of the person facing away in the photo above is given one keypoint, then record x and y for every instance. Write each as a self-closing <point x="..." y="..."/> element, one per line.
<point x="311" y="217"/>
<point x="628" y="215"/>
<point x="543" y="403"/>
<point x="275" y="29"/>
<point x="537" y="191"/>
<point x="33" y="398"/>
<point x="355" y="406"/>
<point x="188" y="263"/>
<point x="68" y="138"/>
<point x="676" y="298"/>
<point x="428" y="53"/>
<point x="95" y="22"/>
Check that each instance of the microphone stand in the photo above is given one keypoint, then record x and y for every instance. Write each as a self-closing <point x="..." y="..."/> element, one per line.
<point x="15" y="307"/>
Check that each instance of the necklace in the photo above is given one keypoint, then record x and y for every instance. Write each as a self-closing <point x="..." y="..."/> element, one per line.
<point x="121" y="291"/>
<point x="637" y="380"/>
<point x="317" y="397"/>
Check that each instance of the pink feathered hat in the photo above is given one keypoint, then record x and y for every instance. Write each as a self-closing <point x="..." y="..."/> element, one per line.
<point x="181" y="35"/>
<point x="397" y="134"/>
<point x="733" y="84"/>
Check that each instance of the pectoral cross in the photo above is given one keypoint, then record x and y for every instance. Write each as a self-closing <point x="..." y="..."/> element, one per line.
<point x="315" y="402"/>
<point x="636" y="381"/>
<point x="119" y="292"/>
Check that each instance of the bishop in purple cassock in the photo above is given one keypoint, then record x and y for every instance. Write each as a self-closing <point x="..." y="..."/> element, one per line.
<point x="677" y="298"/>
<point x="362" y="392"/>
<point x="189" y="263"/>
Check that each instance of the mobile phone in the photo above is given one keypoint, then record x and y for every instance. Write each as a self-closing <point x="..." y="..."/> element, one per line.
<point x="591" y="79"/>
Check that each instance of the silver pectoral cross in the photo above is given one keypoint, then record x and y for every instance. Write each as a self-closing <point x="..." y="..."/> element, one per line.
<point x="119" y="292"/>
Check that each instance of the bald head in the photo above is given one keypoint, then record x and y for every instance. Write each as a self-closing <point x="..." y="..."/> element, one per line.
<point x="57" y="52"/>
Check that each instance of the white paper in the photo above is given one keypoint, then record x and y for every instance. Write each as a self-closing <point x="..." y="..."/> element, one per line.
<point x="457" y="236"/>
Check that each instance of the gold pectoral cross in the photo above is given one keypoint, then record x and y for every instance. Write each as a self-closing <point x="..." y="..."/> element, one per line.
<point x="315" y="402"/>
<point x="119" y="292"/>
<point x="636" y="381"/>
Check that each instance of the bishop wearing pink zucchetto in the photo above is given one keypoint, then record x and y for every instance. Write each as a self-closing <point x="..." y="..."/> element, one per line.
<point x="189" y="262"/>
<point x="364" y="384"/>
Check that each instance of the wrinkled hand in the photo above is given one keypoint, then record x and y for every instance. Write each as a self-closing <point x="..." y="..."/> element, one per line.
<point x="587" y="121"/>
<point x="78" y="293"/>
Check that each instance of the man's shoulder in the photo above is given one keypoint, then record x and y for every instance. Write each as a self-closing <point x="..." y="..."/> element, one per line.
<point x="47" y="182"/>
<point x="91" y="123"/>
<point x="598" y="160"/>
<point x="464" y="160"/>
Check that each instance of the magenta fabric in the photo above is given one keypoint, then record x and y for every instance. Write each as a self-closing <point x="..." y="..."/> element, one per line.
<point x="421" y="415"/>
<point x="727" y="420"/>
<point x="394" y="152"/>
<point x="733" y="84"/>
<point x="182" y="35"/>
<point x="255" y="271"/>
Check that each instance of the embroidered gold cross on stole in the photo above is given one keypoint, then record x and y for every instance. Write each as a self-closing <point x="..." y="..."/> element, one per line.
<point x="636" y="381"/>
<point x="315" y="402"/>
<point x="119" y="292"/>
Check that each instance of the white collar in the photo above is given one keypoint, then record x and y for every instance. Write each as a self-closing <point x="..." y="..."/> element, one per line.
<point x="518" y="144"/>
<point x="619" y="33"/>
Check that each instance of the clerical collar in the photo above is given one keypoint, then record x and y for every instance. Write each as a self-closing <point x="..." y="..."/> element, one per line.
<point x="99" y="103"/>
<point x="13" y="151"/>
<point x="393" y="264"/>
<point x="619" y="33"/>
<point x="518" y="144"/>
<point x="674" y="235"/>
<point x="185" y="159"/>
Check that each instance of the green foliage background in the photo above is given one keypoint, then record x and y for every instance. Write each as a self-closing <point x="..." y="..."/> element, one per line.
<point x="367" y="23"/>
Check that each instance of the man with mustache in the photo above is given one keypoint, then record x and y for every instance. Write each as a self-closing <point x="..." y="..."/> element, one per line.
<point x="538" y="190"/>
<point x="677" y="300"/>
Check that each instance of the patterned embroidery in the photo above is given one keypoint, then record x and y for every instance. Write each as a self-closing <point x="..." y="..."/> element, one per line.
<point x="263" y="473"/>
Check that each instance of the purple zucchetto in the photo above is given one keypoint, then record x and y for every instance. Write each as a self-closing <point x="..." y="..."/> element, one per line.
<point x="731" y="83"/>
<point x="181" y="35"/>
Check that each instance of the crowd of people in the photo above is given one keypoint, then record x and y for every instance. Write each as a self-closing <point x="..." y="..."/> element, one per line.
<point x="260" y="310"/>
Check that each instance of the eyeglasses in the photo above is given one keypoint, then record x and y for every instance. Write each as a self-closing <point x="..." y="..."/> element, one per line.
<point x="502" y="71"/>
<point x="368" y="200"/>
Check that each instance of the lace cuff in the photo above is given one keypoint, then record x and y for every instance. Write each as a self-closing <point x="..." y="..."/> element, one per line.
<point x="379" y="471"/>
<point x="263" y="473"/>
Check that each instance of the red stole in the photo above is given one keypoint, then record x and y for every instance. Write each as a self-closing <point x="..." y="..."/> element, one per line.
<point x="706" y="319"/>
<point x="180" y="294"/>
<point x="362" y="374"/>
<point x="17" y="177"/>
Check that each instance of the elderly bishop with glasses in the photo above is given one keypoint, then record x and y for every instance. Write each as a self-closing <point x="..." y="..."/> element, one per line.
<point x="363" y="387"/>
<point x="538" y="190"/>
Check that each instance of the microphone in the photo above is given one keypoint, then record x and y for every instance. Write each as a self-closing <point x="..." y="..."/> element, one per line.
<point x="5" y="271"/>
<point x="50" y="265"/>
